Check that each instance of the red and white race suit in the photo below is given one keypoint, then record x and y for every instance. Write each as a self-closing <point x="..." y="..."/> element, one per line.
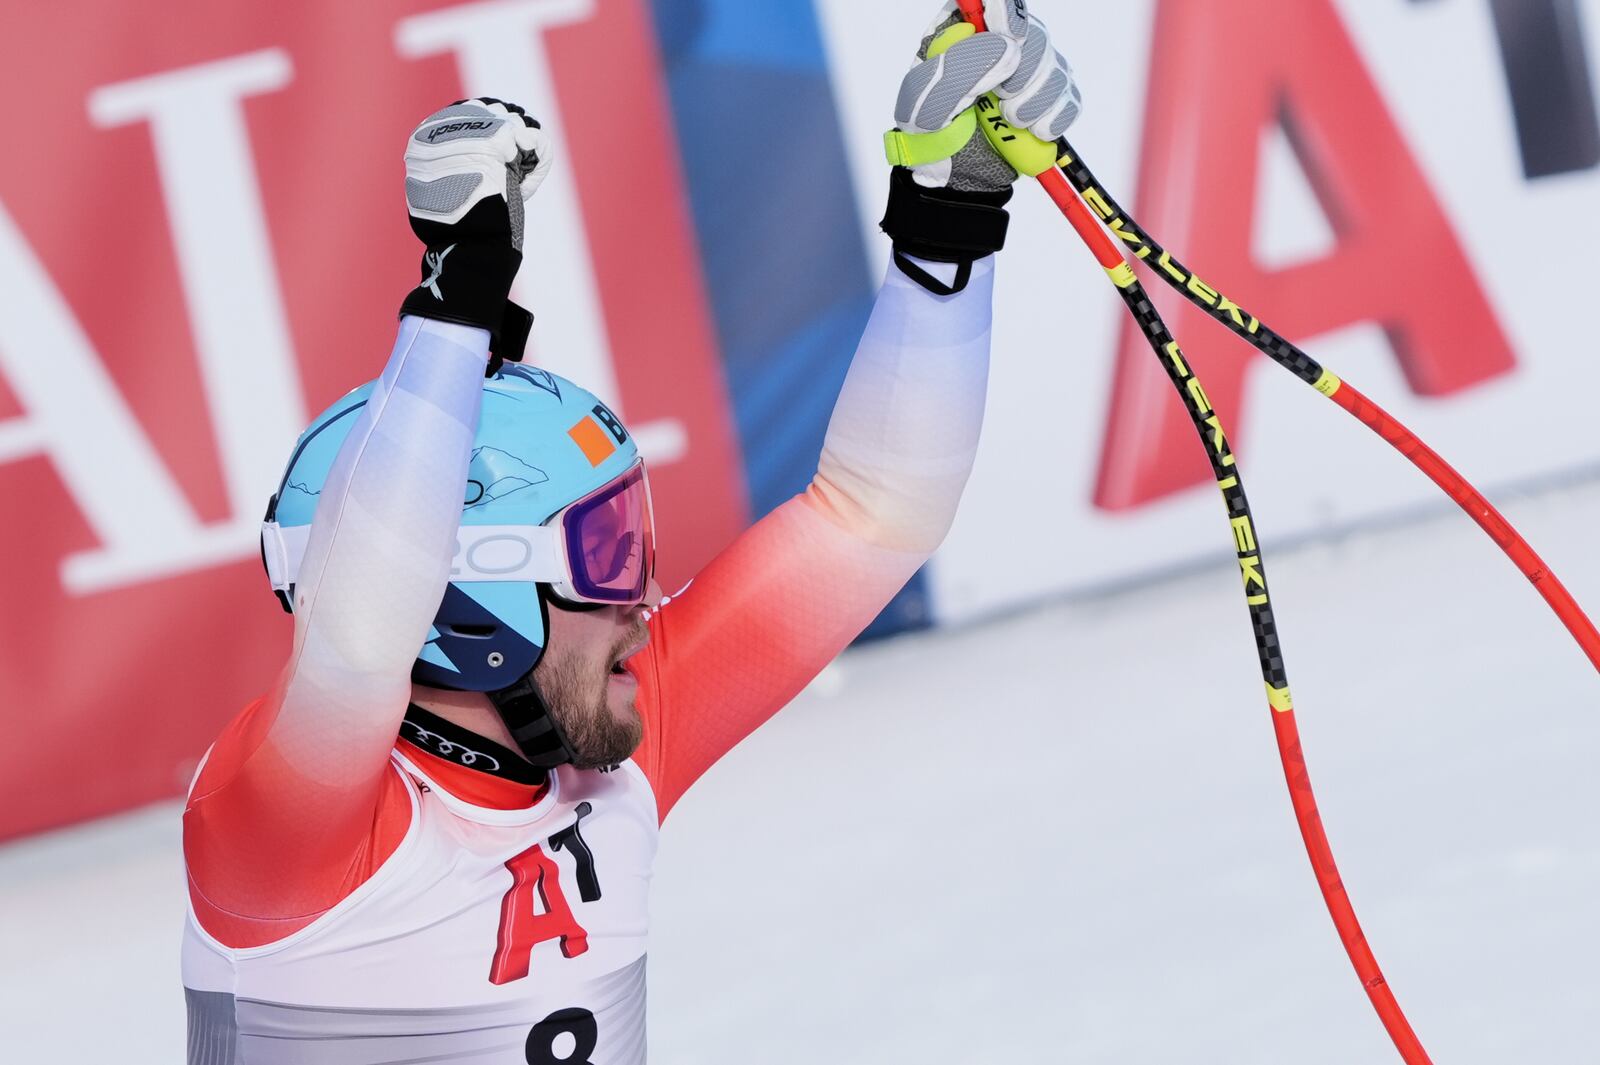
<point x="361" y="892"/>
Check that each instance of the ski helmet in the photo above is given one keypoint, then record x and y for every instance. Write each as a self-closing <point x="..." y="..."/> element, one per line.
<point x="556" y="512"/>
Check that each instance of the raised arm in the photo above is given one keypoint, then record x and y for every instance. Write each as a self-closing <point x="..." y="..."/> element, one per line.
<point x="774" y="608"/>
<point x="788" y="595"/>
<point x="278" y="818"/>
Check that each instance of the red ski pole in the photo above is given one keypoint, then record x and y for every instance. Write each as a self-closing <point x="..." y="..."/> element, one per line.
<point x="1225" y="468"/>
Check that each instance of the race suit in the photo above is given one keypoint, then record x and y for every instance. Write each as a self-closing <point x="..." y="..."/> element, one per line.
<point x="370" y="884"/>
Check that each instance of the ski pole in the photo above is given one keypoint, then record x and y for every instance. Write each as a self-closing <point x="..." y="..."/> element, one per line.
<point x="1293" y="359"/>
<point x="1250" y="328"/>
<point x="1038" y="159"/>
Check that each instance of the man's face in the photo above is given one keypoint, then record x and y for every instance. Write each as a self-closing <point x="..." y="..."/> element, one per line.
<point x="590" y="694"/>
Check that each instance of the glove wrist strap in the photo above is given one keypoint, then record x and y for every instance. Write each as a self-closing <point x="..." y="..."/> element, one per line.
<point x="943" y="226"/>
<point x="928" y="281"/>
<point x="508" y="343"/>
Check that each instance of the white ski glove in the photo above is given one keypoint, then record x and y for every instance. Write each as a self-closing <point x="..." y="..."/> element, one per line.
<point x="469" y="169"/>
<point x="939" y="138"/>
<point x="949" y="188"/>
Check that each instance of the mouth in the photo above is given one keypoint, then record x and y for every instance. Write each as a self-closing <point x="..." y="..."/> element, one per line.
<point x="619" y="664"/>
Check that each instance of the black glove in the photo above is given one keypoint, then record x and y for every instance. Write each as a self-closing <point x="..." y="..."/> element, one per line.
<point x="469" y="169"/>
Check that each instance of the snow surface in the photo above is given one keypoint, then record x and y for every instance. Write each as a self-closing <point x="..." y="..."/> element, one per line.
<point x="1063" y="836"/>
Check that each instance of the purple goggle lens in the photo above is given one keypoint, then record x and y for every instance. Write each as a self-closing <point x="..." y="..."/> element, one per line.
<point x="610" y="537"/>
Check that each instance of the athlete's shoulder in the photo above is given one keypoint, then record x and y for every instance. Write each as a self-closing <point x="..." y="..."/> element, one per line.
<point x="242" y="902"/>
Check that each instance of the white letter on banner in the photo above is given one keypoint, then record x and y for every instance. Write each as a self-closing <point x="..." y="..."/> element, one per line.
<point x="500" y="51"/>
<point x="219" y="231"/>
<point x="76" y="418"/>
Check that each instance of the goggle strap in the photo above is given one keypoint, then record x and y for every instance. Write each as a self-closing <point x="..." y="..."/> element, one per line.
<point x="483" y="553"/>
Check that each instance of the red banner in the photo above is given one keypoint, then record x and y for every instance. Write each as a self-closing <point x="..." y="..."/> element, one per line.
<point x="1220" y="73"/>
<point x="202" y="243"/>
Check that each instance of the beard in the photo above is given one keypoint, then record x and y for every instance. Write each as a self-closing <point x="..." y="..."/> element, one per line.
<point x="575" y="689"/>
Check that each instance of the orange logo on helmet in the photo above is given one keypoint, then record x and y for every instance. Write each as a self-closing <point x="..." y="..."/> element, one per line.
<point x="593" y="440"/>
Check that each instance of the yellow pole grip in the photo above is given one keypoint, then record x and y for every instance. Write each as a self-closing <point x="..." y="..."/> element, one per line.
<point x="1027" y="154"/>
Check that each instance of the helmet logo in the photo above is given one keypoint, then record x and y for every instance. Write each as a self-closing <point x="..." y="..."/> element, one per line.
<point x="534" y="376"/>
<point x="491" y="552"/>
<point x="598" y="434"/>
<point x="603" y="415"/>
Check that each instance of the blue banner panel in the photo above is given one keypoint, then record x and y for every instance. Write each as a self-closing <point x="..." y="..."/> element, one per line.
<point x="779" y="232"/>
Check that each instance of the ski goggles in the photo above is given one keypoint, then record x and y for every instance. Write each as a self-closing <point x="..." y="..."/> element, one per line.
<point x="599" y="549"/>
<point x="605" y="543"/>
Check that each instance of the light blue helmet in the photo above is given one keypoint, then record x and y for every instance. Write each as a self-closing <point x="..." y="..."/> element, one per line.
<point x="543" y="443"/>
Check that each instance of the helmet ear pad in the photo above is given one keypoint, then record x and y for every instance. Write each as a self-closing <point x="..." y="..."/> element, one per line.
<point x="489" y="641"/>
<point x="486" y="636"/>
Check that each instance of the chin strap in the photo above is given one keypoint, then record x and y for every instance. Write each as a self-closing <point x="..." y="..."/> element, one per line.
<point x="522" y="707"/>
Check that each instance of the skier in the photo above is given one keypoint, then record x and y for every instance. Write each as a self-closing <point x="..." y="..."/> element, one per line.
<point x="432" y="838"/>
